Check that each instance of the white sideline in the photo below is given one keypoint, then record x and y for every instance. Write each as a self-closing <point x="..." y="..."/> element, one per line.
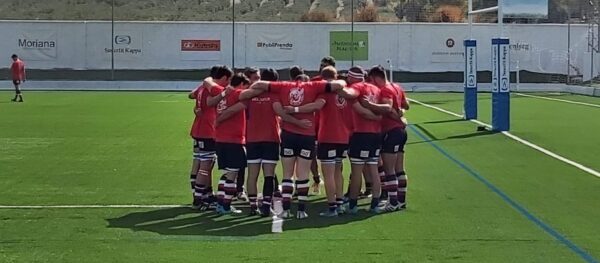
<point x="86" y="206"/>
<point x="560" y="100"/>
<point x="520" y="140"/>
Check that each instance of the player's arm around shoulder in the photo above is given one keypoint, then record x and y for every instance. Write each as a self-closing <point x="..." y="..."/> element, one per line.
<point x="230" y="111"/>
<point x="315" y="106"/>
<point x="280" y="111"/>
<point x="365" y="113"/>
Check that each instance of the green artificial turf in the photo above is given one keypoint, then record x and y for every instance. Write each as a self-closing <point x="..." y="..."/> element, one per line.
<point x="67" y="148"/>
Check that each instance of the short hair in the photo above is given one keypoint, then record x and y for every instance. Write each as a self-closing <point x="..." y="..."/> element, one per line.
<point x="302" y="78"/>
<point x="329" y="60"/>
<point x="296" y="71"/>
<point x="223" y="71"/>
<point x="328" y="72"/>
<point x="14" y="56"/>
<point x="269" y="74"/>
<point x="378" y="71"/>
<point x="250" y="71"/>
<point x="238" y="79"/>
<point x="213" y="71"/>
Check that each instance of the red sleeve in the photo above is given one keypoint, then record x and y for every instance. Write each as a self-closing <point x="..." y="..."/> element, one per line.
<point x="277" y="86"/>
<point x="387" y="93"/>
<point x="319" y="87"/>
<point x="404" y="99"/>
<point x="236" y="95"/>
<point x="214" y="91"/>
<point x="274" y="97"/>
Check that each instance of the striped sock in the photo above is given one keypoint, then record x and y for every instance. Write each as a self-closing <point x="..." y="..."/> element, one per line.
<point x="208" y="194"/>
<point x="332" y="207"/>
<point x="193" y="182"/>
<point x="199" y="190"/>
<point x="302" y="188"/>
<point x="221" y="190"/>
<point x="391" y="188"/>
<point x="339" y="201"/>
<point x="253" y="202"/>
<point x="287" y="188"/>
<point x="230" y="190"/>
<point x="402" y="186"/>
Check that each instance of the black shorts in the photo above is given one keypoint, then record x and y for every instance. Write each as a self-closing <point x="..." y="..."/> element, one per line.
<point x="262" y="152"/>
<point x="231" y="157"/>
<point x="16" y="82"/>
<point x="204" y="149"/>
<point x="331" y="152"/>
<point x="364" y="148"/>
<point x="297" y="145"/>
<point x="394" y="141"/>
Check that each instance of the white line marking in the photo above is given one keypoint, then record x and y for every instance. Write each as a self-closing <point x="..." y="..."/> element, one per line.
<point x="86" y="206"/>
<point x="560" y="100"/>
<point x="520" y="140"/>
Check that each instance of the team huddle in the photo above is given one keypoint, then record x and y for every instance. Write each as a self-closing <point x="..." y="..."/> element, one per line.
<point x="251" y="120"/>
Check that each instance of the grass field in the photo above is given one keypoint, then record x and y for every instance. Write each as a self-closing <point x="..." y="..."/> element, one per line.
<point x="473" y="196"/>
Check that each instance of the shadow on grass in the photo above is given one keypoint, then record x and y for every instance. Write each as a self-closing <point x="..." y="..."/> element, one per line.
<point x="433" y="138"/>
<point x="184" y="221"/>
<point x="444" y="121"/>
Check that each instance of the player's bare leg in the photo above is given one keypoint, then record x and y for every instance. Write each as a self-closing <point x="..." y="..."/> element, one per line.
<point x="251" y="186"/>
<point x="287" y="184"/>
<point x="314" y="169"/>
<point x="339" y="186"/>
<point x="328" y="167"/>
<point x="203" y="184"/>
<point x="390" y="182"/>
<point x="368" y="184"/>
<point x="302" y="185"/>
<point x="376" y="183"/>
<point x="355" y="185"/>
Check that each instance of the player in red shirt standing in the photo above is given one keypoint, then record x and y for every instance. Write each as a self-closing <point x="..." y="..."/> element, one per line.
<point x="297" y="136"/>
<point x="365" y="141"/>
<point x="394" y="136"/>
<point x="332" y="138"/>
<point x="203" y="133"/>
<point x="17" y="70"/>
<point x="231" y="136"/>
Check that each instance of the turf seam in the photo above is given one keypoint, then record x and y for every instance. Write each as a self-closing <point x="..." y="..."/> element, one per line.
<point x="520" y="140"/>
<point x="538" y="222"/>
<point x="559" y="100"/>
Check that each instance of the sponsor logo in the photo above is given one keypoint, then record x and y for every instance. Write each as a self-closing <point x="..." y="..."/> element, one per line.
<point x="450" y="42"/>
<point x="200" y="45"/>
<point x="122" y="40"/>
<point x="296" y="96"/>
<point x="283" y="46"/>
<point x="36" y="43"/>
<point x="364" y="154"/>
<point x="520" y="47"/>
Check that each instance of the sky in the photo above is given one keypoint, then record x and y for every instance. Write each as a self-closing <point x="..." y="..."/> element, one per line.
<point x="535" y="8"/>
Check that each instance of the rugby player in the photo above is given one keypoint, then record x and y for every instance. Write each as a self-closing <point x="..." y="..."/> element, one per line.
<point x="297" y="136"/>
<point x="364" y="148"/>
<point x="393" y="135"/>
<point x="17" y="70"/>
<point x="203" y="132"/>
<point x="332" y="138"/>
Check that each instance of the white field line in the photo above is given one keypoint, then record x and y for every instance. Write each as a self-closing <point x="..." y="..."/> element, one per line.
<point x="86" y="206"/>
<point x="559" y="100"/>
<point x="520" y="140"/>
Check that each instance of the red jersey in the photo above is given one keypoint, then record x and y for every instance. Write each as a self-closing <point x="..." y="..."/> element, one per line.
<point x="204" y="128"/>
<point x="232" y="130"/>
<point x="371" y="93"/>
<point x="296" y="94"/>
<point x="17" y="70"/>
<point x="393" y="93"/>
<point x="263" y="125"/>
<point x="332" y="126"/>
